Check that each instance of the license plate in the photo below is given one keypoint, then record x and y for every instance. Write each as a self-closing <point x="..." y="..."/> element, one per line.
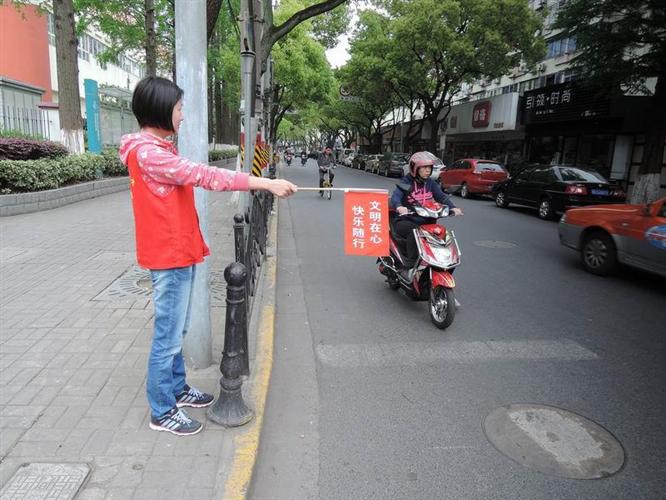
<point x="600" y="192"/>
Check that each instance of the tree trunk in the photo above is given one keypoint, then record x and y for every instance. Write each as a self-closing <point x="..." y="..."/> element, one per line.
<point x="69" y="100"/>
<point x="647" y="186"/>
<point x="212" y="13"/>
<point x="217" y="91"/>
<point x="434" y="129"/>
<point x="151" y="42"/>
<point x="211" y="105"/>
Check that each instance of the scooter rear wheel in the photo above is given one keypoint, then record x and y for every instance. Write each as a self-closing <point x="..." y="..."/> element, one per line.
<point x="442" y="306"/>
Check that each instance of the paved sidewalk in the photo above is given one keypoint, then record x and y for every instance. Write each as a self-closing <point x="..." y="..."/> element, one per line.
<point x="73" y="355"/>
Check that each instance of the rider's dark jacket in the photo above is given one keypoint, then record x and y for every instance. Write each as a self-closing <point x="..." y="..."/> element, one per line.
<point x="324" y="161"/>
<point x="410" y="191"/>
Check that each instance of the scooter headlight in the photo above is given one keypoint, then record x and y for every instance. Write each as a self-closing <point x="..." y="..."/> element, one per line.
<point x="442" y="254"/>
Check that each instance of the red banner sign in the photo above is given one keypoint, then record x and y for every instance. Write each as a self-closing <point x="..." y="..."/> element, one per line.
<point x="366" y="223"/>
<point x="481" y="115"/>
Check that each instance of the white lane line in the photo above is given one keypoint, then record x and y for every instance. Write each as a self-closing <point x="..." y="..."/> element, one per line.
<point x="412" y="353"/>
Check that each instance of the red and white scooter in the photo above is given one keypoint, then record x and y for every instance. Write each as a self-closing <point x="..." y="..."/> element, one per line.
<point x="439" y="254"/>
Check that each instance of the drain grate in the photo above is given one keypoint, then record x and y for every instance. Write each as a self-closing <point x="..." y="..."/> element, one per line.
<point x="136" y="283"/>
<point x="49" y="481"/>
<point x="494" y="244"/>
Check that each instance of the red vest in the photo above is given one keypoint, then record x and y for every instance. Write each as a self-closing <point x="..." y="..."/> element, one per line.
<point x="167" y="229"/>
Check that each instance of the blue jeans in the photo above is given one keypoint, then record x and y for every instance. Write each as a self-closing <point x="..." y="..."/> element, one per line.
<point x="172" y="294"/>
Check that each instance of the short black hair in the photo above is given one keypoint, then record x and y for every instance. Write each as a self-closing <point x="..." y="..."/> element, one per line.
<point x="153" y="101"/>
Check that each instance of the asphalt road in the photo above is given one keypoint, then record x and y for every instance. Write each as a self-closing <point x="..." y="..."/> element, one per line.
<point x="370" y="401"/>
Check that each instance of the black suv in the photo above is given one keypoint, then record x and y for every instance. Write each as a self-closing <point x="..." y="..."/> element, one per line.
<point x="552" y="189"/>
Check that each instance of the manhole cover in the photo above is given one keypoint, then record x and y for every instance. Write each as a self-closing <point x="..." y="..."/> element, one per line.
<point x="136" y="283"/>
<point x="554" y="441"/>
<point x="45" y="481"/>
<point x="494" y="244"/>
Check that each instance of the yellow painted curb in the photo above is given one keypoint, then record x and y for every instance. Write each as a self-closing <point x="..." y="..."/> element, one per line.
<point x="246" y="445"/>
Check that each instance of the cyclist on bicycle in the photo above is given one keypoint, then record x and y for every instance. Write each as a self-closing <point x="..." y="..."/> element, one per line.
<point x="326" y="163"/>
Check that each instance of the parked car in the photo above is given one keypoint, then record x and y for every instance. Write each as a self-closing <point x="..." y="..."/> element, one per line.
<point x="348" y="159"/>
<point x="359" y="161"/>
<point x="553" y="189"/>
<point x="606" y="235"/>
<point x="372" y="163"/>
<point x="472" y="176"/>
<point x="392" y="164"/>
<point x="436" y="169"/>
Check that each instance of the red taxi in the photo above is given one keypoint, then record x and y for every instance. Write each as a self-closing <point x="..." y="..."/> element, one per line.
<point x="606" y="235"/>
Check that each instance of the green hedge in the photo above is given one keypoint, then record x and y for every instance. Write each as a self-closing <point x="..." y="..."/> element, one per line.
<point x="20" y="176"/>
<point x="222" y="154"/>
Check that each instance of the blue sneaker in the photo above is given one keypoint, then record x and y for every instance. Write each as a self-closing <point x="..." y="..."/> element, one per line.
<point x="193" y="398"/>
<point x="176" y="422"/>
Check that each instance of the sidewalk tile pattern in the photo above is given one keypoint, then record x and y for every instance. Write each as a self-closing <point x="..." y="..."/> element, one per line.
<point x="73" y="367"/>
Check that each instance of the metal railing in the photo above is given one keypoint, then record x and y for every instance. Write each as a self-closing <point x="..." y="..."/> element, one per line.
<point x="250" y="238"/>
<point x="30" y="121"/>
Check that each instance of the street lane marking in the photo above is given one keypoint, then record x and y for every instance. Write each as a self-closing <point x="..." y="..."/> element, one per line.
<point x="413" y="353"/>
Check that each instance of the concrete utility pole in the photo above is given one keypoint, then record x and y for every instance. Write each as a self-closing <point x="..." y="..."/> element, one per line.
<point x="247" y="56"/>
<point x="192" y="75"/>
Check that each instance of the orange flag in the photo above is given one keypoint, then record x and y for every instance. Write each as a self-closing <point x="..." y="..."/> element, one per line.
<point x="366" y="223"/>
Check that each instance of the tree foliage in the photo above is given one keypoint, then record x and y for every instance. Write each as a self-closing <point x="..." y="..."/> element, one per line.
<point x="620" y="45"/>
<point x="429" y="48"/>
<point x="307" y="10"/>
<point x="302" y="76"/>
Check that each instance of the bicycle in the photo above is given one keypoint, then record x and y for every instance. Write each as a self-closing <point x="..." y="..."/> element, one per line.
<point x="327" y="184"/>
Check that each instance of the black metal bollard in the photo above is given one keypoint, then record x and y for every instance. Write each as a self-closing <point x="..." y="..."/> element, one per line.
<point x="240" y="245"/>
<point x="230" y="410"/>
<point x="239" y="237"/>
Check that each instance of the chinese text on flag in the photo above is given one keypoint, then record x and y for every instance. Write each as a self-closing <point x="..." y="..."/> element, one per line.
<point x="366" y="223"/>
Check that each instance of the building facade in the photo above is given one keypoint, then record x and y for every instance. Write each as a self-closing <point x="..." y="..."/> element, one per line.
<point x="557" y="119"/>
<point x="28" y="76"/>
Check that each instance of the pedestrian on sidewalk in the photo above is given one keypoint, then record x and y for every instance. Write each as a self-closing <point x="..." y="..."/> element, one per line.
<point x="169" y="242"/>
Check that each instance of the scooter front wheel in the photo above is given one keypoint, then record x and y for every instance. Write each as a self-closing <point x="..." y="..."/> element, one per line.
<point x="442" y="306"/>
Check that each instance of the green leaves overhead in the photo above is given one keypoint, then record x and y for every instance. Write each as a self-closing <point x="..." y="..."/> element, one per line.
<point x="619" y="43"/>
<point x="303" y="76"/>
<point x="423" y="51"/>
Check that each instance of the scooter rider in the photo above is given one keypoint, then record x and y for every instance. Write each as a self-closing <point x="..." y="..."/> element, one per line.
<point x="325" y="161"/>
<point x="416" y="187"/>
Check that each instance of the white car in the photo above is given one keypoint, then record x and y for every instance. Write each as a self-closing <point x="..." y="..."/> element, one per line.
<point x="347" y="160"/>
<point x="436" y="169"/>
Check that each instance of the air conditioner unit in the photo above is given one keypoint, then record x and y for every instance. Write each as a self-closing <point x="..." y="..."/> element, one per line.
<point x="541" y="67"/>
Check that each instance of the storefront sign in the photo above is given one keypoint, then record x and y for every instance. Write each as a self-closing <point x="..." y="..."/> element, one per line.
<point x="481" y="114"/>
<point x="563" y="102"/>
<point x="499" y="113"/>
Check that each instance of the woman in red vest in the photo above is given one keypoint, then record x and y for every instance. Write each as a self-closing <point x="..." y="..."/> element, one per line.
<point x="169" y="242"/>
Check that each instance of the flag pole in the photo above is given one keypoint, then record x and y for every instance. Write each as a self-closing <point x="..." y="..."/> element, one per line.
<point x="363" y="190"/>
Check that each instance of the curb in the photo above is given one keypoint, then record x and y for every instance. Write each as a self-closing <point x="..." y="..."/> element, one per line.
<point x="36" y="201"/>
<point x="246" y="444"/>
